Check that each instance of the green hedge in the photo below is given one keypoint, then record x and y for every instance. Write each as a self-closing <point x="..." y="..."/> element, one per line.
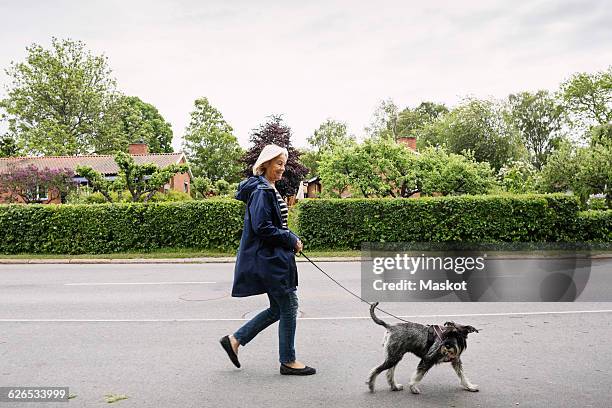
<point x="321" y="223"/>
<point x="346" y="223"/>
<point x="594" y="226"/>
<point x="107" y="228"/>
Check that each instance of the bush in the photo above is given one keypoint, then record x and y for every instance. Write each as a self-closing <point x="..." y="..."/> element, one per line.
<point x="86" y="196"/>
<point x="594" y="226"/>
<point x="171" y="195"/>
<point x="346" y="223"/>
<point x="597" y="204"/>
<point x="118" y="227"/>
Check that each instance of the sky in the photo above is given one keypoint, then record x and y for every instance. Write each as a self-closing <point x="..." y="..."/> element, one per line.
<point x="313" y="60"/>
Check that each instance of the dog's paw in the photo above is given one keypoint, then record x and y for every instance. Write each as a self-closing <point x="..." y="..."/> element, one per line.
<point x="471" y="387"/>
<point x="397" y="387"/>
<point x="414" y="389"/>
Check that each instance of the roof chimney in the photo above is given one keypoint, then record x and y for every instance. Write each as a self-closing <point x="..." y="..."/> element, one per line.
<point x="138" y="148"/>
<point x="408" y="141"/>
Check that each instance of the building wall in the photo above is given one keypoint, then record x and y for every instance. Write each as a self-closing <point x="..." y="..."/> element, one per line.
<point x="177" y="183"/>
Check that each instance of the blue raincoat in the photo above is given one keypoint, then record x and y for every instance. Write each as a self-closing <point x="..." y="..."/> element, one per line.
<point x="266" y="259"/>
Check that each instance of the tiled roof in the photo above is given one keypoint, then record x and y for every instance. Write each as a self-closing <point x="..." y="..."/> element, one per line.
<point x="104" y="164"/>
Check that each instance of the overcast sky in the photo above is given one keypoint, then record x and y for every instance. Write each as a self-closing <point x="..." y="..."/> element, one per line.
<point x="310" y="60"/>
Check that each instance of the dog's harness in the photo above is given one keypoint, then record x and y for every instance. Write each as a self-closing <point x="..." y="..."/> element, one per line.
<point x="438" y="330"/>
<point x="435" y="331"/>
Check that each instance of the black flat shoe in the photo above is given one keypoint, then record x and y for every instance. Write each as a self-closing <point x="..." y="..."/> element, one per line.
<point x="285" y="370"/>
<point x="227" y="346"/>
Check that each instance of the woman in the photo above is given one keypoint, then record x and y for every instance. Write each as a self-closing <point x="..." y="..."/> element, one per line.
<point x="266" y="261"/>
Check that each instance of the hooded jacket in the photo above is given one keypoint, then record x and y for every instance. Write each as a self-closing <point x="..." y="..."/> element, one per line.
<point x="265" y="262"/>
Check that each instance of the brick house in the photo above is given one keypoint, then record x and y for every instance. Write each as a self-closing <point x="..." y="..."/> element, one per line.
<point x="104" y="164"/>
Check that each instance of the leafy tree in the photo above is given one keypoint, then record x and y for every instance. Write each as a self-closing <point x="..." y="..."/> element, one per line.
<point x="210" y="146"/>
<point x="141" y="122"/>
<point x="410" y="122"/>
<point x="558" y="174"/>
<point x="518" y="177"/>
<point x="58" y="100"/>
<point x="583" y="170"/>
<point x="383" y="168"/>
<point x="274" y="131"/>
<point x="141" y="180"/>
<point x="389" y="122"/>
<point x="8" y="146"/>
<point x="589" y="97"/>
<point x="540" y="121"/>
<point x="384" y="121"/>
<point x="594" y="173"/>
<point x="201" y="187"/>
<point x="601" y="134"/>
<point x="100" y="184"/>
<point x="477" y="126"/>
<point x="330" y="135"/>
<point x="222" y="187"/>
<point x="31" y="184"/>
<point x="447" y="173"/>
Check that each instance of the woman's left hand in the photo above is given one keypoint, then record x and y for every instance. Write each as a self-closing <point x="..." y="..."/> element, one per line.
<point x="299" y="246"/>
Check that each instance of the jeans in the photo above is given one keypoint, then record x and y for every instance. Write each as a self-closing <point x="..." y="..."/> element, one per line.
<point x="283" y="308"/>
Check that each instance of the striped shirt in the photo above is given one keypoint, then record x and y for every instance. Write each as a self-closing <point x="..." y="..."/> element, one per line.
<point x="283" y="207"/>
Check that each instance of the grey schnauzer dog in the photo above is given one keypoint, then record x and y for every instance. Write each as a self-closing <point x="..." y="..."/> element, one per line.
<point x="432" y="344"/>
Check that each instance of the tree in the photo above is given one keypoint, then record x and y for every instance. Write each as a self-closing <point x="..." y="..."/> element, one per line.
<point x="384" y="121"/>
<point x="384" y="168"/>
<point x="582" y="170"/>
<point x="518" y="177"/>
<point x="330" y="135"/>
<point x="98" y="183"/>
<point x="447" y="173"/>
<point x="210" y="146"/>
<point x="274" y="131"/>
<point x="141" y="122"/>
<point x="540" y="121"/>
<point x="8" y="146"/>
<point x="58" y="100"/>
<point x="589" y="97"/>
<point x="477" y="126"/>
<point x="558" y="174"/>
<point x="201" y="187"/>
<point x="594" y="173"/>
<point x="141" y="180"/>
<point x="31" y="184"/>
<point x="410" y="122"/>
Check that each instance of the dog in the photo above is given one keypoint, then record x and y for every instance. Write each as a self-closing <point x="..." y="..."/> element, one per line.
<point x="432" y="344"/>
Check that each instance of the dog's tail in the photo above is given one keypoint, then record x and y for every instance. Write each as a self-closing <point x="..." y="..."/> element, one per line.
<point x="376" y="319"/>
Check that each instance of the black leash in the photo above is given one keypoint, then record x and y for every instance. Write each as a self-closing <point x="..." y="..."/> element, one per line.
<point x="342" y="286"/>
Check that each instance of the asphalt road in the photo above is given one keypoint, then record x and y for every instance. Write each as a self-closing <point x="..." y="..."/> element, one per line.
<point x="151" y="332"/>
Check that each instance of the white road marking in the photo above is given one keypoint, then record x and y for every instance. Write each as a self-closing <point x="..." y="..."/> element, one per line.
<point x="135" y="283"/>
<point x="308" y="318"/>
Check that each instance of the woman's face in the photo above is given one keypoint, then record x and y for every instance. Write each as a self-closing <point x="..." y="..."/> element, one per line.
<point x="275" y="168"/>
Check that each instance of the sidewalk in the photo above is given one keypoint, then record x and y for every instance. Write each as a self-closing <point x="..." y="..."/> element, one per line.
<point x="203" y="260"/>
<point x="8" y="261"/>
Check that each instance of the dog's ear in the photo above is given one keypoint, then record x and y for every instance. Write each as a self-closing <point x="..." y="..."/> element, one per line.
<point x="465" y="330"/>
<point x="449" y="324"/>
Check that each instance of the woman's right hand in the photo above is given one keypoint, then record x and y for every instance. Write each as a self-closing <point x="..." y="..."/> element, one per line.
<point x="299" y="246"/>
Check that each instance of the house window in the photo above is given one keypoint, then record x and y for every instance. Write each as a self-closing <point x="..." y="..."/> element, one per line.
<point x="38" y="194"/>
<point x="185" y="187"/>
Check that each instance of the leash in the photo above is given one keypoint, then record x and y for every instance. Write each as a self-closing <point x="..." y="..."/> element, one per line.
<point x="301" y="253"/>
